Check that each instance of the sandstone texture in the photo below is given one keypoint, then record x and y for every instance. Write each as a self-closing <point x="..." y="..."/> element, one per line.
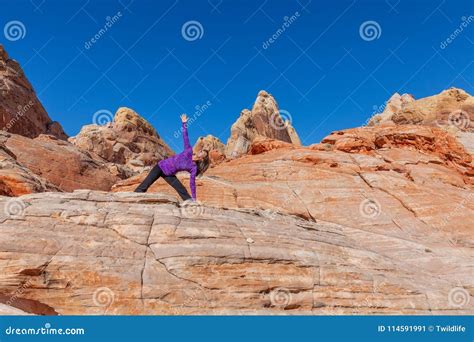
<point x="48" y="163"/>
<point x="129" y="140"/>
<point x="127" y="253"/>
<point x="214" y="146"/>
<point x="264" y="120"/>
<point x="16" y="179"/>
<point x="452" y="108"/>
<point x="20" y="110"/>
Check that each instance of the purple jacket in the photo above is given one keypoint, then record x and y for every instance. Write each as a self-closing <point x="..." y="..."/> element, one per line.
<point x="182" y="162"/>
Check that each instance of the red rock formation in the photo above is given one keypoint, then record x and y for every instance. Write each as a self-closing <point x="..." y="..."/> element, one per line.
<point x="410" y="172"/>
<point x="129" y="141"/>
<point x="16" y="179"/>
<point x="60" y="163"/>
<point x="93" y="253"/>
<point x="20" y="110"/>
<point x="214" y="146"/>
<point x="451" y="108"/>
<point x="264" y="120"/>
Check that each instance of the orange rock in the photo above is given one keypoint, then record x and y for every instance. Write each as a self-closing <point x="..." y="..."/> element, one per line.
<point x="263" y="120"/>
<point x="214" y="146"/>
<point x="129" y="141"/>
<point x="20" y="110"/>
<point x="60" y="163"/>
<point x="452" y="108"/>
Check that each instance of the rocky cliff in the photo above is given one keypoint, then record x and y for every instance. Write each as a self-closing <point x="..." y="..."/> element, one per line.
<point x="92" y="252"/>
<point x="20" y="110"/>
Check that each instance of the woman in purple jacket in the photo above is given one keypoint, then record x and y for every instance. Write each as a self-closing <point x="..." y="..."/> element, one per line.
<point x="185" y="161"/>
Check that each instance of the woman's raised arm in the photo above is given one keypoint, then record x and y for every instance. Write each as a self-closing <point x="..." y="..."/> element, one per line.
<point x="184" y="121"/>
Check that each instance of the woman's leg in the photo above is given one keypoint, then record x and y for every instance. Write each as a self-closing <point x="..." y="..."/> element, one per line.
<point x="178" y="186"/>
<point x="154" y="174"/>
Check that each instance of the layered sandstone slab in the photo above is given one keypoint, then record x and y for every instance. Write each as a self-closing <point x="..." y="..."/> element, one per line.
<point x="20" y="110"/>
<point x="102" y="253"/>
<point x="16" y="179"/>
<point x="400" y="181"/>
<point x="59" y="163"/>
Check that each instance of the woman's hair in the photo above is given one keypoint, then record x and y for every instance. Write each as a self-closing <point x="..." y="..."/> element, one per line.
<point x="203" y="163"/>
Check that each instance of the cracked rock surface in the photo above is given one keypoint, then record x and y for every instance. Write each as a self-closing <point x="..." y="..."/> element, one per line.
<point x="91" y="252"/>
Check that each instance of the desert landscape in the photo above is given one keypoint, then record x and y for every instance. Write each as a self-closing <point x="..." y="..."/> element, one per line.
<point x="375" y="219"/>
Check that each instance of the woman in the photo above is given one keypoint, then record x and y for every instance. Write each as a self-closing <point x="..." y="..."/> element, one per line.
<point x="185" y="161"/>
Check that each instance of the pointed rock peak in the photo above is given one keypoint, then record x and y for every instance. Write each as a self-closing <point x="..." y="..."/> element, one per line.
<point x="127" y="119"/>
<point x="265" y="102"/>
<point x="3" y="53"/>
<point x="264" y="120"/>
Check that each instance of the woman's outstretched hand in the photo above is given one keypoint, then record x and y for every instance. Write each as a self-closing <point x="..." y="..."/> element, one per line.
<point x="184" y="118"/>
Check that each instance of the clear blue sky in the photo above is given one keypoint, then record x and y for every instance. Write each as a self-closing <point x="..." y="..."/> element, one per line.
<point x="319" y="69"/>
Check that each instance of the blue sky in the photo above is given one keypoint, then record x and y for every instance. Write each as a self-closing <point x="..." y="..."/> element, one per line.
<point x="321" y="69"/>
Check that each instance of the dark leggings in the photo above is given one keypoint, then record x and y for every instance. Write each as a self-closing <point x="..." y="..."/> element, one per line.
<point x="156" y="173"/>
